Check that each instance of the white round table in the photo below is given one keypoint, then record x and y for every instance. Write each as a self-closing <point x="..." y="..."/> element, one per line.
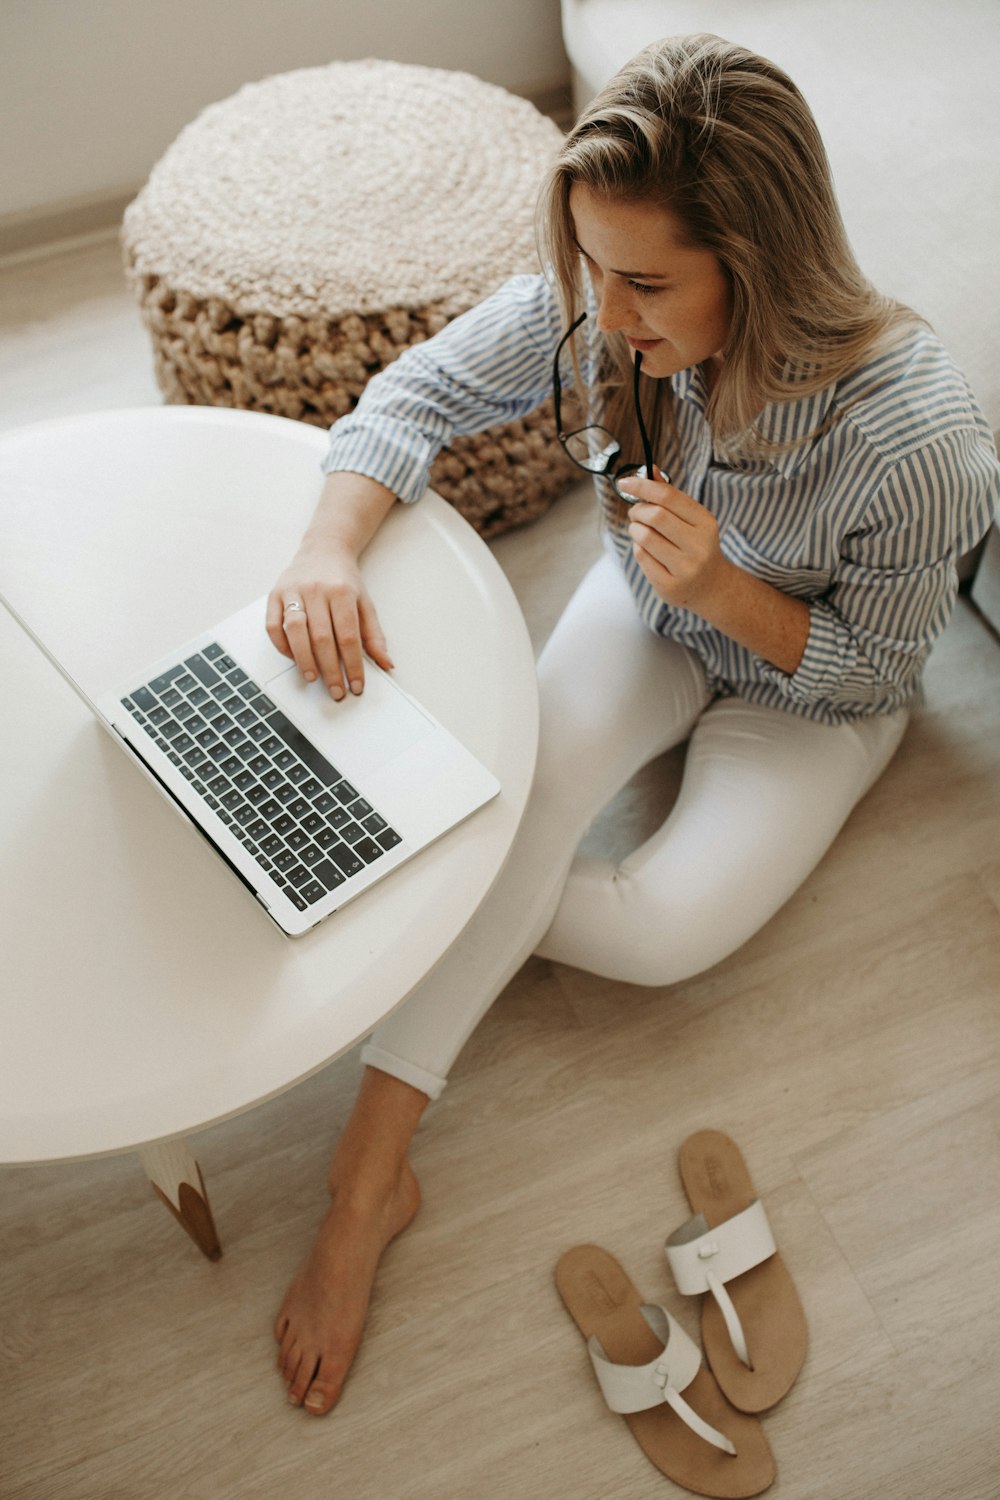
<point x="146" y="995"/>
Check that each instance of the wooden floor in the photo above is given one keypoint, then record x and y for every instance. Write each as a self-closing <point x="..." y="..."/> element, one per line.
<point x="852" y="1048"/>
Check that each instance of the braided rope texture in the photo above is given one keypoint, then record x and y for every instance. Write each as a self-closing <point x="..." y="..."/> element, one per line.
<point x="298" y="236"/>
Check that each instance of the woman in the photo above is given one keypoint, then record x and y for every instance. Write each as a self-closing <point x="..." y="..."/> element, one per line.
<point x="772" y="601"/>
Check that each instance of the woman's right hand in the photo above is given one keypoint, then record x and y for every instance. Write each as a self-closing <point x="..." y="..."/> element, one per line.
<point x="335" y="621"/>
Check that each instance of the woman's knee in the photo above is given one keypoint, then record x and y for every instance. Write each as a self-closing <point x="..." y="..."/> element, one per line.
<point x="661" y="938"/>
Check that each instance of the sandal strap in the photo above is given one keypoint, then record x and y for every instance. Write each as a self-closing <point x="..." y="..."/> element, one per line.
<point x="632" y="1388"/>
<point x="703" y="1260"/>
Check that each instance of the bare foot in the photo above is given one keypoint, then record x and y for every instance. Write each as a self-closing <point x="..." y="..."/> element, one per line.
<point x="323" y="1315"/>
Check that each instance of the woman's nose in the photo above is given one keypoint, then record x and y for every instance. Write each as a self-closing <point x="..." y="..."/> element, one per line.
<point x="613" y="311"/>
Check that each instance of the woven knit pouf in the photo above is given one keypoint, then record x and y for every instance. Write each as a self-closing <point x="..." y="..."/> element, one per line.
<point x="298" y="236"/>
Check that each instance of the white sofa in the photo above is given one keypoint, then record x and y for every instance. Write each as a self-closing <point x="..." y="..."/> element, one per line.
<point x="907" y="96"/>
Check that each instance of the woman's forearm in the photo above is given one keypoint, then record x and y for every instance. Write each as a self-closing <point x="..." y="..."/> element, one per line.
<point x="771" y="624"/>
<point x="350" y="510"/>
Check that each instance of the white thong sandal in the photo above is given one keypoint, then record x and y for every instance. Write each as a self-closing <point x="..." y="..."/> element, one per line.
<point x="752" y="1323"/>
<point x="651" y="1373"/>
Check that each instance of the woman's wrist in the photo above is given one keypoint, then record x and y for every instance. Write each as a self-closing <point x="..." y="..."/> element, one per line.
<point x="350" y="510"/>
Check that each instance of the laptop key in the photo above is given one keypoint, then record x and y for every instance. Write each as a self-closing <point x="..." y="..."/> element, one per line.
<point x="212" y="652"/>
<point x="142" y="698"/>
<point x="161" y="683"/>
<point x="203" y="670"/>
<point x="328" y="874"/>
<point x="298" y="875"/>
<point x="388" y="838"/>
<point x="346" y="859"/>
<point x="368" y="850"/>
<point x="312" y="892"/>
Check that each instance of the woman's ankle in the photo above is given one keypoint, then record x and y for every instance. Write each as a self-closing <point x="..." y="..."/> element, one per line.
<point x="372" y="1156"/>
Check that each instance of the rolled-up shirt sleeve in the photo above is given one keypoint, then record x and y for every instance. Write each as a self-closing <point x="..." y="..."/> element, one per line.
<point x="487" y="367"/>
<point x="893" y="590"/>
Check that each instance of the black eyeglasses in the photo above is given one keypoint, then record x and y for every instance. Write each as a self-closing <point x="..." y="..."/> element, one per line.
<point x="594" y="448"/>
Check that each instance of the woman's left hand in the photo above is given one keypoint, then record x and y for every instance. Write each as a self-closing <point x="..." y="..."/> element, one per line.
<point x="676" y="543"/>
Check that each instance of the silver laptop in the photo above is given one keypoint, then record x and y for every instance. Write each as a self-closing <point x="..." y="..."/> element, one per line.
<point x="308" y="801"/>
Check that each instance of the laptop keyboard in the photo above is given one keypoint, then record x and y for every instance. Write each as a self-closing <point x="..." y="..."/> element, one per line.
<point x="303" y="822"/>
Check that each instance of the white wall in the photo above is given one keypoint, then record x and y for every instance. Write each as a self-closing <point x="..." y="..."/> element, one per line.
<point x="93" y="91"/>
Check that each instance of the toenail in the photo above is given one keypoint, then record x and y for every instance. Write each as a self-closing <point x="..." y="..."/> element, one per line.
<point x="314" y="1401"/>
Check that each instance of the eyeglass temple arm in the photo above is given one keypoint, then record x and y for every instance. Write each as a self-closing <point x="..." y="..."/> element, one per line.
<point x="647" y="448"/>
<point x="556" y="381"/>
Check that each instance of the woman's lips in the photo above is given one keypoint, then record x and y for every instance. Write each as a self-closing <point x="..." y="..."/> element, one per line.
<point x="643" y="345"/>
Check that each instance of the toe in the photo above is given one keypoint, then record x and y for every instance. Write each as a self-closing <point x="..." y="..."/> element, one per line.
<point x="323" y="1393"/>
<point x="300" y="1379"/>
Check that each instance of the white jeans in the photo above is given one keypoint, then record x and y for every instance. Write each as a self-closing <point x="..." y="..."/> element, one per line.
<point x="763" y="795"/>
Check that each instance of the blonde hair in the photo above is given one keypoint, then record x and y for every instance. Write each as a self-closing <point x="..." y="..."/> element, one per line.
<point x="725" y="141"/>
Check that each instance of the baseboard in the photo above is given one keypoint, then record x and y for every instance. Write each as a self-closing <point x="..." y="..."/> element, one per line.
<point x="32" y="230"/>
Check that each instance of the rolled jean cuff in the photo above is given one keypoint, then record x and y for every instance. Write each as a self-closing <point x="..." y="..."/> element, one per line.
<point x="418" y="1078"/>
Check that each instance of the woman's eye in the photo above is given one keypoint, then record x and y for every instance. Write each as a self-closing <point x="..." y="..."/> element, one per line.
<point x="643" y="288"/>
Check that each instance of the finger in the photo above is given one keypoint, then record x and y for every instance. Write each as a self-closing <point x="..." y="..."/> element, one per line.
<point x="372" y="636"/>
<point x="659" y="575"/>
<point x="638" y="489"/>
<point x="273" y="625"/>
<point x="322" y="640"/>
<point x="347" y="629"/>
<point x="295" y="623"/>
<point x="660" y="525"/>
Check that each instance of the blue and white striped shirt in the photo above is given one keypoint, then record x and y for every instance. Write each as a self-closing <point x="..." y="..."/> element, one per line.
<point x="864" y="520"/>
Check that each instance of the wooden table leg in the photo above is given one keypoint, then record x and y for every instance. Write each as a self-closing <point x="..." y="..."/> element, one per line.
<point x="177" y="1182"/>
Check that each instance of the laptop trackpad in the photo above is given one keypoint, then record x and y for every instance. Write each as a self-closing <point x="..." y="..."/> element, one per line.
<point x="365" y="731"/>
